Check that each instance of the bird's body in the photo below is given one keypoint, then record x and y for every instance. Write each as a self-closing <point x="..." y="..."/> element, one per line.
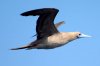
<point x="48" y="36"/>
<point x="53" y="41"/>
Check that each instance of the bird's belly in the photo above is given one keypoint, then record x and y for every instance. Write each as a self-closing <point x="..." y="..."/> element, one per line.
<point x="54" y="45"/>
<point x="52" y="42"/>
<point x="48" y="46"/>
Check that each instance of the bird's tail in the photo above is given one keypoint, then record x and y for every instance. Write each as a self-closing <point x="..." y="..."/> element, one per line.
<point x="39" y="11"/>
<point x="24" y="47"/>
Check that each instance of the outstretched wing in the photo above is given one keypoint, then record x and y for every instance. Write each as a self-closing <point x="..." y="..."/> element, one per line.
<point x="56" y="25"/>
<point x="45" y="24"/>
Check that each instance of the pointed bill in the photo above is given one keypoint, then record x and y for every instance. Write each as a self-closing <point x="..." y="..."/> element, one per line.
<point x="83" y="36"/>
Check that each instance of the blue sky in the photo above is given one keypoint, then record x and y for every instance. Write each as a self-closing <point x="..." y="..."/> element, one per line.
<point x="16" y="31"/>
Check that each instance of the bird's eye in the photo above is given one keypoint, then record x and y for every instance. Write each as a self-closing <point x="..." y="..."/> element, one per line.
<point x="79" y="34"/>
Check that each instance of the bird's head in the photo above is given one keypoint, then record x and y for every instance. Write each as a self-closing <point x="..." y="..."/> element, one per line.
<point x="77" y="35"/>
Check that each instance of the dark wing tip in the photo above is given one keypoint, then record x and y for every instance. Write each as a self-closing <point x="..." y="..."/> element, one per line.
<point x="25" y="14"/>
<point x="38" y="11"/>
<point x="28" y="13"/>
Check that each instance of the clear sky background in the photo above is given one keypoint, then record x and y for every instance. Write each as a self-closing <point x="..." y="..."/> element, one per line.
<point x="16" y="31"/>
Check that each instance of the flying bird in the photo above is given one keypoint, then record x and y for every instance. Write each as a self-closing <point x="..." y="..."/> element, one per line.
<point x="48" y="37"/>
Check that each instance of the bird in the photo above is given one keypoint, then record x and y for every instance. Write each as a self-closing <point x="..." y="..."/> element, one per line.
<point x="48" y="36"/>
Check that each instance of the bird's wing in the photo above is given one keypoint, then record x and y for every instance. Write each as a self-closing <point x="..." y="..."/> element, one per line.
<point x="59" y="23"/>
<point x="56" y="25"/>
<point x="45" y="23"/>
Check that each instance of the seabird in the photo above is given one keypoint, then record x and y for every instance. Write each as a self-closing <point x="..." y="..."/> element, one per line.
<point x="48" y="37"/>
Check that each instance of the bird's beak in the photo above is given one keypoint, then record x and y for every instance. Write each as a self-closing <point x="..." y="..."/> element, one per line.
<point x="84" y="36"/>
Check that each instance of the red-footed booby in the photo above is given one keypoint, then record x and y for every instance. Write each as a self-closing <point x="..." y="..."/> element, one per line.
<point x="48" y="37"/>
